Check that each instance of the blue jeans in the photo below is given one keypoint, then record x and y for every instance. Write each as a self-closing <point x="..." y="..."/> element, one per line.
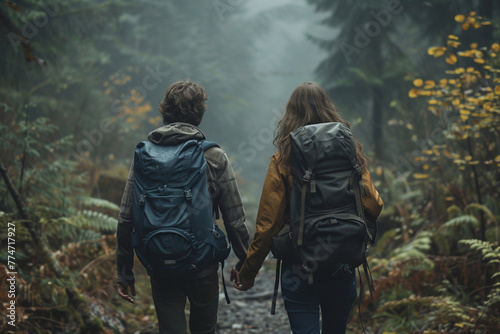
<point x="335" y="294"/>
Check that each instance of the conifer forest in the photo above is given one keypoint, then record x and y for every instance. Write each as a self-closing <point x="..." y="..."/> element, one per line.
<point x="80" y="85"/>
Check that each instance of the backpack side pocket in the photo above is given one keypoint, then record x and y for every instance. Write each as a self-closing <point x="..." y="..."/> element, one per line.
<point x="281" y="244"/>
<point x="221" y="249"/>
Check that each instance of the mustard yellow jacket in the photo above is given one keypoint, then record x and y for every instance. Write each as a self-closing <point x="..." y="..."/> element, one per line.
<point x="274" y="213"/>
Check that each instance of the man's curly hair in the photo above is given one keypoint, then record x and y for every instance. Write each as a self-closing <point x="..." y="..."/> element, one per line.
<point x="184" y="102"/>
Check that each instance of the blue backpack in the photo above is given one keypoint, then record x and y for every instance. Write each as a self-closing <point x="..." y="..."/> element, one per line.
<point x="175" y="234"/>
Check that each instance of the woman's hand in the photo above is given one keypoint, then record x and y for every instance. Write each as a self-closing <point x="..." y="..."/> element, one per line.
<point x="240" y="284"/>
<point x="235" y="276"/>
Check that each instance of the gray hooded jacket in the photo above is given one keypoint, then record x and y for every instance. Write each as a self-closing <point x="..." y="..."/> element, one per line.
<point x="223" y="191"/>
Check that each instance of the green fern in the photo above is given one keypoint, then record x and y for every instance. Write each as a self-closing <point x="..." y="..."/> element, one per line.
<point x="98" y="204"/>
<point x="423" y="314"/>
<point x="464" y="220"/>
<point x="85" y="225"/>
<point x="414" y="253"/>
<point x="99" y="221"/>
<point x="479" y="207"/>
<point x="86" y="235"/>
<point x="490" y="255"/>
<point x="88" y="219"/>
<point x="60" y="233"/>
<point x="485" y="247"/>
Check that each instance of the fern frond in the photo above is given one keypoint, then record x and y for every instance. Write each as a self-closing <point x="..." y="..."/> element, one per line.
<point x="483" y="208"/>
<point x="491" y="256"/>
<point x="414" y="253"/>
<point x="62" y="230"/>
<point x="460" y="221"/>
<point x="88" y="219"/>
<point x="86" y="235"/>
<point x="98" y="221"/>
<point x="479" y="245"/>
<point x="98" y="203"/>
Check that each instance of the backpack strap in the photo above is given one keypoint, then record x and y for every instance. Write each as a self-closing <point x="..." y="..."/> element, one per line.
<point x="205" y="145"/>
<point x="305" y="183"/>
<point x="276" y="286"/>
<point x="224" y="283"/>
<point x="357" y="183"/>
<point x="369" y="278"/>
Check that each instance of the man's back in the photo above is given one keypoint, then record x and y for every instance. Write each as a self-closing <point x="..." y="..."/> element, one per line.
<point x="182" y="110"/>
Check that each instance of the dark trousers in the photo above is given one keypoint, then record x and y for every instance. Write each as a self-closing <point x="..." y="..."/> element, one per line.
<point x="170" y="301"/>
<point x="335" y="294"/>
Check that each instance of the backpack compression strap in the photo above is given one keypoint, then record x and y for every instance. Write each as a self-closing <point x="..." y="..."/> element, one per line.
<point x="305" y="182"/>
<point x="358" y="186"/>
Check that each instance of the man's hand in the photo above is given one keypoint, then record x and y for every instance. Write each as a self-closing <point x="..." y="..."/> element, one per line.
<point x="240" y="284"/>
<point x="235" y="276"/>
<point x="123" y="291"/>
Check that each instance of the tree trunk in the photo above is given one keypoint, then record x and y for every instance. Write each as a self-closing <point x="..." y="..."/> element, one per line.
<point x="486" y="11"/>
<point x="377" y="119"/>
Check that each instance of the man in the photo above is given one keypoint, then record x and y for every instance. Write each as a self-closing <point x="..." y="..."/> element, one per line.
<point x="182" y="109"/>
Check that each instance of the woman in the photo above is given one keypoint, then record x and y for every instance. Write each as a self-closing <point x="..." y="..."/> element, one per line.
<point x="335" y="294"/>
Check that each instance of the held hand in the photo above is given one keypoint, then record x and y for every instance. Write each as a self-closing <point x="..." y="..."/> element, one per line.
<point x="124" y="293"/>
<point x="245" y="285"/>
<point x="235" y="276"/>
<point x="240" y="284"/>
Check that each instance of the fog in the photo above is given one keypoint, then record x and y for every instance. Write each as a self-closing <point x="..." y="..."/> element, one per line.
<point x="282" y="56"/>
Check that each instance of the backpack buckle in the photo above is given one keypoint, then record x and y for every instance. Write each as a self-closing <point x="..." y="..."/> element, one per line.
<point x="216" y="234"/>
<point x="307" y="175"/>
<point x="188" y="194"/>
<point x="142" y="199"/>
<point x="359" y="172"/>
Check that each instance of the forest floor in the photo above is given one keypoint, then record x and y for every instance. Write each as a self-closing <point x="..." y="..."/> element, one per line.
<point x="250" y="311"/>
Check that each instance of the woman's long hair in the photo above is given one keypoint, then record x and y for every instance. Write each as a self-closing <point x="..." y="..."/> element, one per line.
<point x="308" y="104"/>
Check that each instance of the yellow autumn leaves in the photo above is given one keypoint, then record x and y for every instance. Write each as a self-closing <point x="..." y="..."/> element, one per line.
<point x="436" y="51"/>
<point x="425" y="88"/>
<point x="453" y="42"/>
<point x="471" y="20"/>
<point x="470" y="101"/>
<point x="428" y="83"/>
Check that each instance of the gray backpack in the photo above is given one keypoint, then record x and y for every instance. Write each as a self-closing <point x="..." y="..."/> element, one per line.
<point x="327" y="223"/>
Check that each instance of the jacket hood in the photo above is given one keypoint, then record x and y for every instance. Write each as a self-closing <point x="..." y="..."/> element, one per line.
<point x="174" y="134"/>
